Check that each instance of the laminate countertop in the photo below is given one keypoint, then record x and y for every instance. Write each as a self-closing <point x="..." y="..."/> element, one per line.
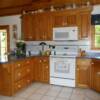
<point x="14" y="58"/>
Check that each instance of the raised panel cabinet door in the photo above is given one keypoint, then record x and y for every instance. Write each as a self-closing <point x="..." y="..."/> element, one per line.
<point x="27" y="28"/>
<point x="85" y="24"/>
<point x="95" y="75"/>
<point x="96" y="1"/>
<point x="48" y="27"/>
<point x="6" y="79"/>
<point x="83" y="73"/>
<point x="46" y="74"/>
<point x="63" y="19"/>
<point x="44" y="26"/>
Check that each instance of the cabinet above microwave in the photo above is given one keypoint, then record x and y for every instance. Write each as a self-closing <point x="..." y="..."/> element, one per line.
<point x="65" y="33"/>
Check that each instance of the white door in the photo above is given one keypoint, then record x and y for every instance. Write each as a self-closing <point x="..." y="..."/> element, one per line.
<point x="62" y="67"/>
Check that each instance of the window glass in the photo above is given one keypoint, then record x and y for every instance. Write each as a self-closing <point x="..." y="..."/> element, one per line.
<point x="97" y="36"/>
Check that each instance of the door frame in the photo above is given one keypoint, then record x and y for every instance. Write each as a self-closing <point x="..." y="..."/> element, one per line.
<point x="6" y="27"/>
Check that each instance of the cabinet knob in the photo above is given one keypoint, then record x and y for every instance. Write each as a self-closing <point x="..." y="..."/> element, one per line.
<point x="46" y="67"/>
<point x="27" y="62"/>
<point x="19" y="86"/>
<point x="40" y="61"/>
<point x="19" y="65"/>
<point x="28" y="70"/>
<point x="28" y="81"/>
<point x="44" y="60"/>
<point x="92" y="63"/>
<point x="19" y="74"/>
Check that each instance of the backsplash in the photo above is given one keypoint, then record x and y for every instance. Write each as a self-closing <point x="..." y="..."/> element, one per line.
<point x="35" y="48"/>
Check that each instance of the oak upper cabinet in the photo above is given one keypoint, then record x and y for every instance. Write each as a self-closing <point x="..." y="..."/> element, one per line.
<point x="84" y="20"/>
<point x="37" y="27"/>
<point x="83" y="72"/>
<point x="43" y="26"/>
<point x="95" y="75"/>
<point x="41" y="69"/>
<point x="27" y="28"/>
<point x="64" y="18"/>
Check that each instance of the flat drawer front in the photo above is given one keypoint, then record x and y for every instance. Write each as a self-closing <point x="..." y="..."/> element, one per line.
<point x="19" y="85"/>
<point x="18" y="65"/>
<point x="83" y="62"/>
<point x="22" y="72"/>
<point x="23" y="83"/>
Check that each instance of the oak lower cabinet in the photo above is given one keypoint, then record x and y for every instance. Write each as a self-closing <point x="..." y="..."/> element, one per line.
<point x="95" y="75"/>
<point x="41" y="69"/>
<point x="15" y="76"/>
<point x="83" y="72"/>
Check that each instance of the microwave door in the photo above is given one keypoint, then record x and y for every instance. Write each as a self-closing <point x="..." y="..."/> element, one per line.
<point x="61" y="36"/>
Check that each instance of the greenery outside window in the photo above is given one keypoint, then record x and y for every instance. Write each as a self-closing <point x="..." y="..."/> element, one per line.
<point x="97" y="36"/>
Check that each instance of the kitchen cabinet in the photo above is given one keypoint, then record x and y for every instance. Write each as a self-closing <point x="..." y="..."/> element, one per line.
<point x="44" y="26"/>
<point x="15" y="76"/>
<point x="27" y="28"/>
<point x="6" y="79"/>
<point x="64" y="19"/>
<point x="37" y="27"/>
<point x="84" y="20"/>
<point x="83" y="72"/>
<point x="95" y="75"/>
<point x="41" y="69"/>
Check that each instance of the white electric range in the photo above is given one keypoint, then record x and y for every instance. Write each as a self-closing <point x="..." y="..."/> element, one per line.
<point x="63" y="66"/>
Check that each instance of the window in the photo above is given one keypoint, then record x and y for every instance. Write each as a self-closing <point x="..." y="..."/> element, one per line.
<point x="95" y="36"/>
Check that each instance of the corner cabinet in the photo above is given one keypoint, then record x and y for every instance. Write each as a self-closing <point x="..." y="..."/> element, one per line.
<point x="83" y="72"/>
<point x="95" y="75"/>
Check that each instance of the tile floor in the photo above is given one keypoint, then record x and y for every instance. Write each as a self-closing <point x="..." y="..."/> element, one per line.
<point x="40" y="91"/>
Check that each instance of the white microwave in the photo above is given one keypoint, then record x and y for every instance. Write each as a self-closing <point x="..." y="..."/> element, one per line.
<point x="65" y="33"/>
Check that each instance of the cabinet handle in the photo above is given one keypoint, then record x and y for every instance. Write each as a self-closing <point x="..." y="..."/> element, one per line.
<point x="28" y="70"/>
<point x="19" y="74"/>
<point x="27" y="62"/>
<point x="18" y="65"/>
<point x="46" y="67"/>
<point x="98" y="73"/>
<point x="40" y="61"/>
<point x="92" y="63"/>
<point x="28" y="81"/>
<point x="30" y="37"/>
<point x="19" y="86"/>
<point x="44" y="60"/>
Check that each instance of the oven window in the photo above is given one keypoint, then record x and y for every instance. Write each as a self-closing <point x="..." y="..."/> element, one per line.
<point x="62" y="67"/>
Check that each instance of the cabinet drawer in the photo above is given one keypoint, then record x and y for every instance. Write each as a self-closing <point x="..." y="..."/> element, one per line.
<point x="19" y="85"/>
<point x="22" y="72"/>
<point x="18" y="65"/>
<point x="19" y="74"/>
<point x="83" y="62"/>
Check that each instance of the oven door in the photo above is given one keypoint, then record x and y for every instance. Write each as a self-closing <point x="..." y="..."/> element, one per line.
<point x="62" y="67"/>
